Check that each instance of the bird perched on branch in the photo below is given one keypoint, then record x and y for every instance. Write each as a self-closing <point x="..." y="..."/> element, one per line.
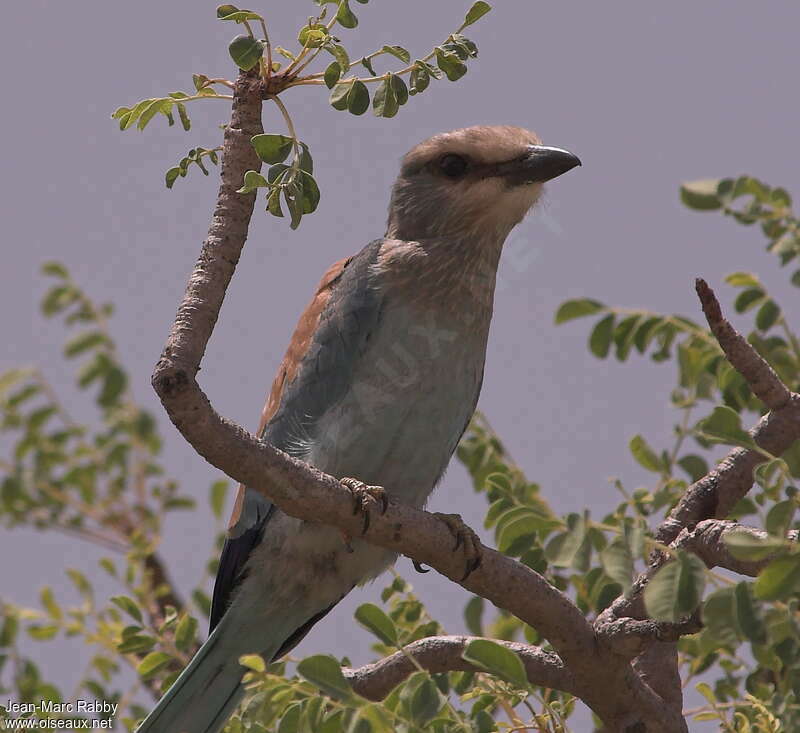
<point x="377" y="386"/>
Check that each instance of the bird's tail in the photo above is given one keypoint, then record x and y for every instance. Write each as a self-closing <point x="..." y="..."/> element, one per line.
<point x="207" y="691"/>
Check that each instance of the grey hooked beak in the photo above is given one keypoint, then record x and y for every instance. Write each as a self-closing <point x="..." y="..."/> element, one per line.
<point x="541" y="163"/>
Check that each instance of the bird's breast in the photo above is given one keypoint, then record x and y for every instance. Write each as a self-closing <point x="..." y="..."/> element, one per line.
<point x="411" y="396"/>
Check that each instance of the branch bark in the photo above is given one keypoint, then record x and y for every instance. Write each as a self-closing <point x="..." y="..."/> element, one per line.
<point x="443" y="654"/>
<point x="707" y="541"/>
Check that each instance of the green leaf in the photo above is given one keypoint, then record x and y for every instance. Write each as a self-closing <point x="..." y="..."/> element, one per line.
<point x="306" y="163"/>
<point x="274" y="202"/>
<point x="345" y="16"/>
<point x="340" y="54"/>
<point x="624" y="334"/>
<point x="398" y="52"/>
<point x="217" y="494"/>
<point x="524" y="526"/>
<point x="747" y="616"/>
<point x="426" y="701"/>
<point x="367" y="64"/>
<point x="325" y="672"/>
<point x="676" y="589"/>
<point x="477" y="11"/>
<point x="578" y="308"/>
<point x="496" y="659"/>
<point x="375" y="620"/>
<point x="767" y="315"/>
<point x="185" y="632"/>
<point x="49" y="602"/>
<point x="83" y="342"/>
<point x="701" y="195"/>
<point x="332" y="74"/>
<point x="172" y="176"/>
<point x="473" y="613"/>
<point x="42" y="632"/>
<point x="272" y="148"/>
<point x="311" y="193"/>
<point x="780" y="579"/>
<point x="128" y="605"/>
<point x="152" y="109"/>
<point x="252" y="181"/>
<point x="645" y="455"/>
<point x="358" y="98"/>
<point x="617" y="562"/>
<point x="600" y="338"/>
<point x="694" y="465"/>
<point x="254" y="662"/>
<point x="55" y="269"/>
<point x="246" y="51"/>
<point x="290" y="720"/>
<point x="743" y="280"/>
<point x="399" y="88"/>
<point x="420" y="78"/>
<point x="312" y="36"/>
<point x="452" y="66"/>
<point x="152" y="664"/>
<point x="225" y="10"/>
<point x="114" y="383"/>
<point x="724" y="425"/>
<point x="184" y="115"/>
<point x="748" y="299"/>
<point x="80" y="581"/>
<point x="199" y="81"/>
<point x="384" y="102"/>
<point x="351" y="95"/>
<point x="565" y="549"/>
<point x="779" y="517"/>
<point x="745" y="546"/>
<point x="136" y="644"/>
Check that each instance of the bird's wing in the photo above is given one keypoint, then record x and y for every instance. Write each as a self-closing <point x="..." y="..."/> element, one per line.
<point x="316" y="372"/>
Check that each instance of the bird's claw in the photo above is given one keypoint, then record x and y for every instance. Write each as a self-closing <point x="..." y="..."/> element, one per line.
<point x="464" y="537"/>
<point x="419" y="567"/>
<point x="362" y="495"/>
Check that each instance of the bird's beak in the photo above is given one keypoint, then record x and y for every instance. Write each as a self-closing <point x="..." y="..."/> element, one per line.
<point x="541" y="163"/>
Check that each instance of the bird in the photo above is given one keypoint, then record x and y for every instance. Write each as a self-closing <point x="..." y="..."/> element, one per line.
<point x="377" y="386"/>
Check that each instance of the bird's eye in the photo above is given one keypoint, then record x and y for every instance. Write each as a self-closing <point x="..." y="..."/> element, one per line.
<point x="453" y="166"/>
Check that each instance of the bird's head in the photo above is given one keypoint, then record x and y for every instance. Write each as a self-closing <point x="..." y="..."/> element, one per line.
<point x="477" y="181"/>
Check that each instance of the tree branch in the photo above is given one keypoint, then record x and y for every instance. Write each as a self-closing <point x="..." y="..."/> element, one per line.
<point x="707" y="541"/>
<point x="712" y="496"/>
<point x="715" y="495"/>
<point x="438" y="654"/>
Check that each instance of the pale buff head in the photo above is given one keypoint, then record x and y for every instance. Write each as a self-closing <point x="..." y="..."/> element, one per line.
<point x="475" y="182"/>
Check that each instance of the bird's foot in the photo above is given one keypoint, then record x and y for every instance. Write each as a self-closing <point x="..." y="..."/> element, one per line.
<point x="363" y="495"/>
<point x="465" y="537"/>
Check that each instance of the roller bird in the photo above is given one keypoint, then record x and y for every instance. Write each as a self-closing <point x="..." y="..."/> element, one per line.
<point x="378" y="384"/>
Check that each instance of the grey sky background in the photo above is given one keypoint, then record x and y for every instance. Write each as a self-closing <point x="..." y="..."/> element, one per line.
<point x="647" y="95"/>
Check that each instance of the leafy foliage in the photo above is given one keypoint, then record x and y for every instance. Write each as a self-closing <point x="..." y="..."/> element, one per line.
<point x="293" y="185"/>
<point x="756" y="691"/>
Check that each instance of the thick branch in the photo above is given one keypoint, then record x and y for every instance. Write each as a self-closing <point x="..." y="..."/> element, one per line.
<point x="707" y="541"/>
<point x="760" y="376"/>
<point x="443" y="654"/>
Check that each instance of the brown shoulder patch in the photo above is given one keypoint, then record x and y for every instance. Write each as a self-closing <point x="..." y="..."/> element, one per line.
<point x="236" y="514"/>
<point x="287" y="371"/>
<point x="301" y="340"/>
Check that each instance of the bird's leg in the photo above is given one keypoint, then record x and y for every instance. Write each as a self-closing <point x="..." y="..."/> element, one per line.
<point x="465" y="536"/>
<point x="362" y="495"/>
